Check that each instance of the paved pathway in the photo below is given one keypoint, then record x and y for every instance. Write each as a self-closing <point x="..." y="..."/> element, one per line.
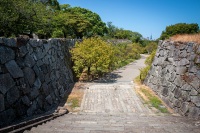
<point x="115" y="108"/>
<point x="113" y="98"/>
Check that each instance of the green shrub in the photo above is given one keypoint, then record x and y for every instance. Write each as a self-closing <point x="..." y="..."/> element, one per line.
<point x="143" y="73"/>
<point x="57" y="34"/>
<point x="150" y="47"/>
<point x="179" y="28"/>
<point x="149" y="59"/>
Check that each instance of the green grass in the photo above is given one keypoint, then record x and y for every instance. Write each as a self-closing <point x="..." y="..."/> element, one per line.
<point x="154" y="101"/>
<point x="74" y="102"/>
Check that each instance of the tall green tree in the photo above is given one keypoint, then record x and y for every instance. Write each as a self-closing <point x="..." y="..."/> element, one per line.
<point x="98" y="27"/>
<point x="21" y="16"/>
<point x="53" y="4"/>
<point x="112" y="29"/>
<point x="70" y="25"/>
<point x="77" y="22"/>
<point x="135" y="37"/>
<point x="64" y="7"/>
<point x="85" y="22"/>
<point x="120" y="33"/>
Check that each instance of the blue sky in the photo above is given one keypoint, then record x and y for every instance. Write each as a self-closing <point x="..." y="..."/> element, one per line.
<point x="144" y="16"/>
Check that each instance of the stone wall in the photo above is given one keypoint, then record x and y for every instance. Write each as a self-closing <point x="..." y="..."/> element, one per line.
<point x="175" y="76"/>
<point x="34" y="76"/>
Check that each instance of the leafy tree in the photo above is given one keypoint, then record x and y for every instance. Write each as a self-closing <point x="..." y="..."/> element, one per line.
<point x="85" y="22"/>
<point x="180" y="28"/>
<point x="111" y="29"/>
<point x="21" y="16"/>
<point x="48" y="19"/>
<point x="151" y="46"/>
<point x="57" y="34"/>
<point x="53" y="4"/>
<point x="64" y="7"/>
<point x="120" y="33"/>
<point x="135" y="37"/>
<point x="96" y="56"/>
<point x="92" y="52"/>
<point x="70" y="25"/>
<point x="126" y="53"/>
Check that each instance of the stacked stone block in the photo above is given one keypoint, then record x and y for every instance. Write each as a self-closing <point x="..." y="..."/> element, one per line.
<point x="34" y="76"/>
<point x="175" y="76"/>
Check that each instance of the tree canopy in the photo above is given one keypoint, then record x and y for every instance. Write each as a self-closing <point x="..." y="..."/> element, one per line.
<point x="179" y="28"/>
<point x="92" y="52"/>
<point x="21" y="16"/>
<point x="97" y="26"/>
<point x="49" y="19"/>
<point x="120" y="33"/>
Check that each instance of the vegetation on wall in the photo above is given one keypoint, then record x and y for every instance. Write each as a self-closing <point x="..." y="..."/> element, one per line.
<point x="179" y="28"/>
<point x="187" y="38"/>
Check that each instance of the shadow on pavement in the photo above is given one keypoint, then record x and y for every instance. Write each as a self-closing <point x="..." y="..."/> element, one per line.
<point x="108" y="78"/>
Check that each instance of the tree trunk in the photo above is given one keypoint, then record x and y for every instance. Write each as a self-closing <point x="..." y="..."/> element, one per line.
<point x="88" y="72"/>
<point x="65" y="36"/>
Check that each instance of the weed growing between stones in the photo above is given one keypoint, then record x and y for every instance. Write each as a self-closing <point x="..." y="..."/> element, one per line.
<point x="151" y="99"/>
<point x="144" y="71"/>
